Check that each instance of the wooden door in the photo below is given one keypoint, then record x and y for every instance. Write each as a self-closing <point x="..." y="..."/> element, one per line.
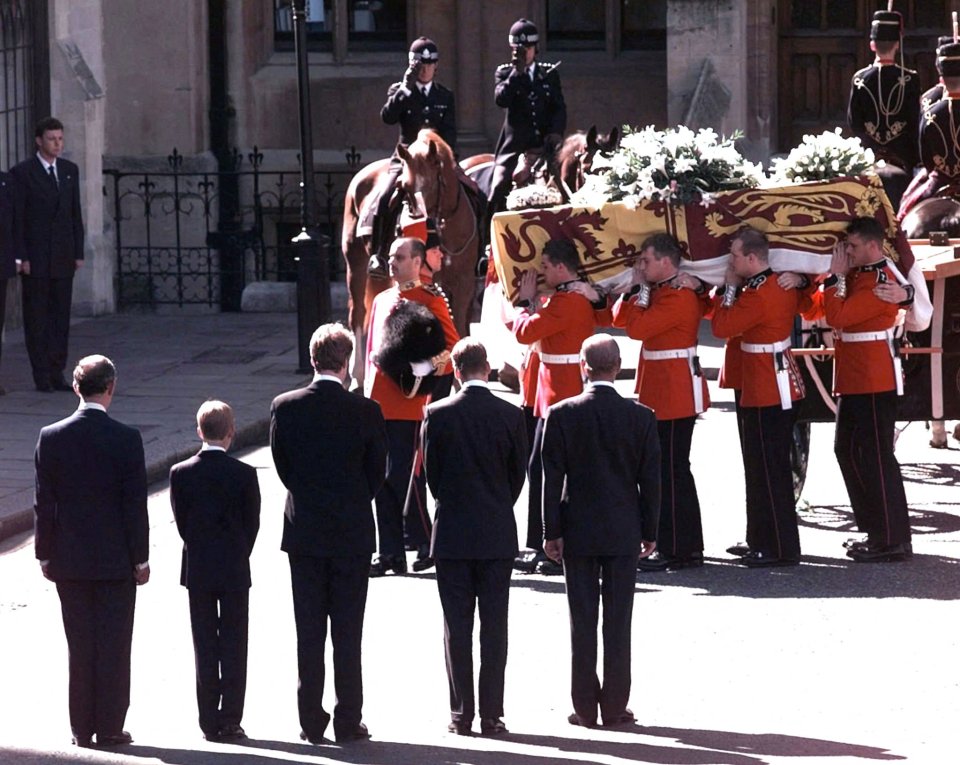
<point x="823" y="42"/>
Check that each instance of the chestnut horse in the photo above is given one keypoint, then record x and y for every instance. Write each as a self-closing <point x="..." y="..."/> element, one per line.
<point x="428" y="168"/>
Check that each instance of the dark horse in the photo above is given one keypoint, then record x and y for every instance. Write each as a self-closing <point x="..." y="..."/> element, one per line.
<point x="428" y="168"/>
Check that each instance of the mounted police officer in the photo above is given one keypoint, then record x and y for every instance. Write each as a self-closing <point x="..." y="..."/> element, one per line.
<point x="934" y="94"/>
<point x="415" y="103"/>
<point x="882" y="110"/>
<point x="939" y="135"/>
<point x="536" y="115"/>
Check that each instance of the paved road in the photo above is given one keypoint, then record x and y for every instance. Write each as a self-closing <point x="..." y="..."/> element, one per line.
<point x="830" y="662"/>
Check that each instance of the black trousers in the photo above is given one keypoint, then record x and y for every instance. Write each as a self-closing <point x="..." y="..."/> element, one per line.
<point x="401" y="502"/>
<point x="218" y="621"/>
<point x="771" y="512"/>
<point x="46" y="325"/>
<point x="535" y="490"/>
<point x="590" y="580"/>
<point x="680" y="532"/>
<point x="334" y="589"/>
<point x="466" y="586"/>
<point x="864" y="448"/>
<point x="98" y="622"/>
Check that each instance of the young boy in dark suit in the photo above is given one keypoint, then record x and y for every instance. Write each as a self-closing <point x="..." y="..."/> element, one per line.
<point x="216" y="504"/>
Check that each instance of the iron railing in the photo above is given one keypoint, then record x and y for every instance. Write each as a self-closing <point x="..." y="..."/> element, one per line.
<point x="175" y="245"/>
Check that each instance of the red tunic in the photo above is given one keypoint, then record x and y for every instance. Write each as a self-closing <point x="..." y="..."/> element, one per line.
<point x="670" y="322"/>
<point x="528" y="378"/>
<point x="559" y="328"/>
<point x="379" y="386"/>
<point x="762" y="315"/>
<point x="866" y="366"/>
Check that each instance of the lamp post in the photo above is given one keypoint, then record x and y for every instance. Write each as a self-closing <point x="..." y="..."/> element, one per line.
<point x="310" y="246"/>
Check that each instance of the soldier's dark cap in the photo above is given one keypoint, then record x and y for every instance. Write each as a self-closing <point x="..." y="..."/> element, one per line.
<point x="433" y="238"/>
<point x="886" y="26"/>
<point x="424" y="50"/>
<point x="524" y="32"/>
<point x="948" y="60"/>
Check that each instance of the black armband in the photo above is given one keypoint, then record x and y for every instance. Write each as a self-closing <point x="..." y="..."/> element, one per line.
<point x="831" y="281"/>
<point x="911" y="293"/>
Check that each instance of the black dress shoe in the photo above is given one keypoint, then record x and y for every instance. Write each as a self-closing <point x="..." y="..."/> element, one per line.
<point x="626" y="717"/>
<point x="459" y="727"/>
<point x="114" y="739"/>
<point x="574" y="719"/>
<point x="231" y="733"/>
<point x="876" y="553"/>
<point x="549" y="567"/>
<point x="384" y="563"/>
<point x="357" y="732"/>
<point x="856" y="542"/>
<point x="526" y="562"/>
<point x="423" y="561"/>
<point x="739" y="549"/>
<point x="492" y="726"/>
<point x="58" y="383"/>
<point x="316" y="736"/>
<point x="84" y="742"/>
<point x="660" y="562"/>
<point x="310" y="739"/>
<point x="757" y="559"/>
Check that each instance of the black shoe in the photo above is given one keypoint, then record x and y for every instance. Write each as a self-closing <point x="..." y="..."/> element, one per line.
<point x="310" y="739"/>
<point x="231" y="733"/>
<point x="384" y="563"/>
<point x="84" y="742"/>
<point x="875" y="553"/>
<point x="44" y="387"/>
<point x="626" y="717"/>
<point x="757" y="559"/>
<point x="114" y="739"/>
<point x="856" y="542"/>
<point x="492" y="726"/>
<point x="739" y="549"/>
<point x="660" y="562"/>
<point x="58" y="383"/>
<point x="356" y="732"/>
<point x="549" y="567"/>
<point x="423" y="561"/>
<point x="459" y="727"/>
<point x="574" y="719"/>
<point x="526" y="562"/>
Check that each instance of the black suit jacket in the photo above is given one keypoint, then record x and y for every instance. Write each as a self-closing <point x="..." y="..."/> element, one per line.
<point x="49" y="227"/>
<point x="534" y="109"/>
<point x="601" y="473"/>
<point x="91" y="501"/>
<point x="475" y="453"/>
<point x="414" y="112"/>
<point x="216" y="504"/>
<point x="330" y="450"/>
<point x="8" y="250"/>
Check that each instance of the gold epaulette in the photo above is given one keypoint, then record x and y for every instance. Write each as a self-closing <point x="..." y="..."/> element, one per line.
<point x="412" y="284"/>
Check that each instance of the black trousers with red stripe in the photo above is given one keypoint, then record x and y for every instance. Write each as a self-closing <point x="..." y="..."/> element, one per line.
<point x="680" y="532"/>
<point x="864" y="448"/>
<point x="771" y="513"/>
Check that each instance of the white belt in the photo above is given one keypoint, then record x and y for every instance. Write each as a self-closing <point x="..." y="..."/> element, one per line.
<point x="696" y="376"/>
<point x="780" y="368"/>
<point x="560" y="358"/>
<point x="887" y="335"/>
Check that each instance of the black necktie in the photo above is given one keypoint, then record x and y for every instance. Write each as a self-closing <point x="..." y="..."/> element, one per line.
<point x="53" y="176"/>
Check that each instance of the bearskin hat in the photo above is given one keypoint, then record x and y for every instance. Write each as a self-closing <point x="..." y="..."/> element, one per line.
<point x="412" y="336"/>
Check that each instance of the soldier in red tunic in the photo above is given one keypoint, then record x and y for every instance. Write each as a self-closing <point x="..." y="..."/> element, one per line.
<point x="403" y="412"/>
<point x="555" y="331"/>
<point x="666" y="317"/>
<point x="857" y="303"/>
<point x="762" y="316"/>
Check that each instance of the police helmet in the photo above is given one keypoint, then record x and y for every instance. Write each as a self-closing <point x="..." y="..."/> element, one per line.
<point x="425" y="51"/>
<point x="524" y="32"/>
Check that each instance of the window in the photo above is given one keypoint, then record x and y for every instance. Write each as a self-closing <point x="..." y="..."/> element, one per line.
<point x="637" y="25"/>
<point x="372" y="25"/>
<point x="22" y="92"/>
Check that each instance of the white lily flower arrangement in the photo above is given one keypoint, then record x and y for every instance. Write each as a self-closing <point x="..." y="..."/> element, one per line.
<point x="676" y="166"/>
<point x="534" y="195"/>
<point x="821" y="158"/>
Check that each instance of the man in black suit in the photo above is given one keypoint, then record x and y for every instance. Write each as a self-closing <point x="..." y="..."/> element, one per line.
<point x="8" y="256"/>
<point x="601" y="500"/>
<point x="475" y="453"/>
<point x="330" y="450"/>
<point x="49" y="232"/>
<point x="216" y="504"/>
<point x="92" y="540"/>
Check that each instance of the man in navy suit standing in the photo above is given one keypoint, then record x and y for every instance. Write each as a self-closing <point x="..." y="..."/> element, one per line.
<point x="475" y="452"/>
<point x="49" y="234"/>
<point x="92" y="540"/>
<point x="8" y="256"/>
<point x="216" y="504"/>
<point x="330" y="450"/>
<point x="601" y="504"/>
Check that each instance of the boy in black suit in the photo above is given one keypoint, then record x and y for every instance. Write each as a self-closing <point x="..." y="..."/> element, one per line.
<point x="216" y="503"/>
<point x="601" y="503"/>
<point x="475" y="452"/>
